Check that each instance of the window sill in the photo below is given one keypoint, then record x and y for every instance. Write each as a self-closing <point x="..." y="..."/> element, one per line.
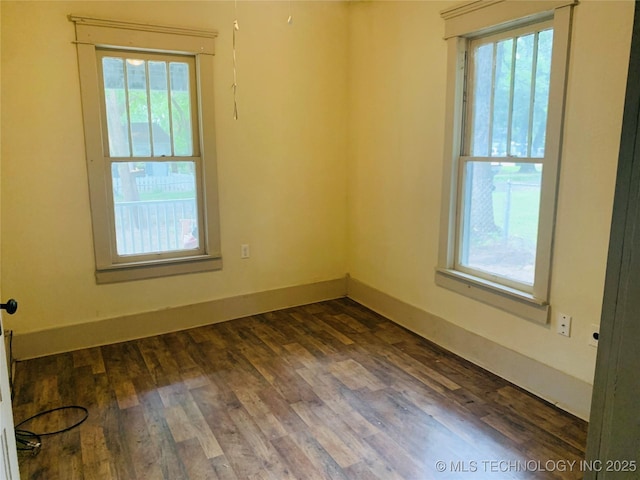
<point x="518" y="303"/>
<point x="143" y="270"/>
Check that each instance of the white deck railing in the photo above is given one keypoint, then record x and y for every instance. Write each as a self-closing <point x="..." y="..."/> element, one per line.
<point x="156" y="226"/>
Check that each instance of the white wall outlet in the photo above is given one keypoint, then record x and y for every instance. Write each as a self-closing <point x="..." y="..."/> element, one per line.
<point x="563" y="324"/>
<point x="594" y="334"/>
<point x="244" y="251"/>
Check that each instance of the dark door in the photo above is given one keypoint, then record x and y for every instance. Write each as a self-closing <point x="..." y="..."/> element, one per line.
<point x="613" y="445"/>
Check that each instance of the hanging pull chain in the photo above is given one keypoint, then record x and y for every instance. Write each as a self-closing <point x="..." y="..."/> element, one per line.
<point x="236" y="27"/>
<point x="235" y="73"/>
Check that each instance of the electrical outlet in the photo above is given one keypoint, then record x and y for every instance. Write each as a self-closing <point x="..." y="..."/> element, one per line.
<point x="244" y="251"/>
<point x="564" y="324"/>
<point x="594" y="334"/>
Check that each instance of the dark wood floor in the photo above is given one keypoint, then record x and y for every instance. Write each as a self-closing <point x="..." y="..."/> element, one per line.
<point x="329" y="390"/>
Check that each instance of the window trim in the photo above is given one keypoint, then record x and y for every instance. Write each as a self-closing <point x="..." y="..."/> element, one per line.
<point x="95" y="33"/>
<point x="463" y="23"/>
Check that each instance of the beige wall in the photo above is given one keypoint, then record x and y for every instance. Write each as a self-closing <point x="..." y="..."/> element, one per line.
<point x="397" y="80"/>
<point x="335" y="165"/>
<point x="281" y="165"/>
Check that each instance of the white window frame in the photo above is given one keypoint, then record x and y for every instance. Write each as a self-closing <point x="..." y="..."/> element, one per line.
<point x="462" y="24"/>
<point x="93" y="35"/>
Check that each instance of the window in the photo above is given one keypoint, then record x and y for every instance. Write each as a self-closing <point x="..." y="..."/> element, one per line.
<point x="504" y="129"/>
<point x="501" y="173"/>
<point x="150" y="143"/>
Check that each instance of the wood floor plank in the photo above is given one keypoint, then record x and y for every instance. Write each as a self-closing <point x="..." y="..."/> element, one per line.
<point x="222" y="468"/>
<point x="281" y="410"/>
<point x="566" y="428"/>
<point x="160" y="360"/>
<point x="419" y="370"/>
<point x="120" y="457"/>
<point x="362" y="471"/>
<point x="216" y="410"/>
<point x="137" y="439"/>
<point x="329" y="390"/>
<point x="327" y="435"/>
<point x="259" y="445"/>
<point x="420" y="436"/>
<point x="269" y="336"/>
<point x="89" y="357"/>
<point x="46" y="392"/>
<point x="298" y="356"/>
<point x="487" y="442"/>
<point x="324" y="463"/>
<point x="301" y="466"/>
<point x="160" y="438"/>
<point x="341" y="337"/>
<point x="266" y="421"/>
<point x="95" y="453"/>
<point x="348" y="448"/>
<point x="354" y="376"/>
<point x="197" y="465"/>
<point x="394" y="456"/>
<point x="186" y="423"/>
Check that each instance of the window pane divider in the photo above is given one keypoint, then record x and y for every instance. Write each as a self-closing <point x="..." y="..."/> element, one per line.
<point x="492" y="100"/>
<point x="470" y="158"/>
<point x="170" y="102"/>
<point x="512" y="81"/>
<point x="126" y="105"/>
<point x="532" y="93"/>
<point x="147" y="74"/>
<point x="153" y="159"/>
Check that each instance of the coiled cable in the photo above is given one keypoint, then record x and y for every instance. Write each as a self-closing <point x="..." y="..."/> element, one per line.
<point x="31" y="441"/>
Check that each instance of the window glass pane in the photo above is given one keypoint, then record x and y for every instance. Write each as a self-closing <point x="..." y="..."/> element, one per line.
<point x="138" y="107"/>
<point x="148" y="106"/>
<point x="482" y="99"/>
<point x="155" y="207"/>
<point x="502" y="98"/>
<point x="181" y="109"/>
<point x="500" y="219"/>
<point x="510" y="95"/>
<point x="159" y="93"/>
<point x="522" y="96"/>
<point x="541" y="97"/>
<point x="116" y="108"/>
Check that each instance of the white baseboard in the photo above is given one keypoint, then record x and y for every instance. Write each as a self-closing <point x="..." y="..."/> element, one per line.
<point x="146" y="324"/>
<point x="568" y="393"/>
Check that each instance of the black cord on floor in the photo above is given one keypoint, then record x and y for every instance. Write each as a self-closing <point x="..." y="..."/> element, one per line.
<point x="31" y="441"/>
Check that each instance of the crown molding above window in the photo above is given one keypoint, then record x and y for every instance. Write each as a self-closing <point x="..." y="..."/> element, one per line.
<point x="466" y="7"/>
<point x="125" y="34"/>
<point x="145" y="27"/>
<point x="482" y="15"/>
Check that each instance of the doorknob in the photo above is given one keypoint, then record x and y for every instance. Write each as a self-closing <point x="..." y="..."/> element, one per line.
<point x="11" y="306"/>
